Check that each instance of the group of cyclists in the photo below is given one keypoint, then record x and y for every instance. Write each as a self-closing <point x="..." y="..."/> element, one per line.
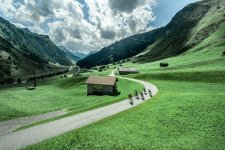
<point x="141" y="95"/>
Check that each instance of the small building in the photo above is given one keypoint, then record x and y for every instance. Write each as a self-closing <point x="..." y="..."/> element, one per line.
<point x="164" y="65"/>
<point x="125" y="71"/>
<point x="99" y="85"/>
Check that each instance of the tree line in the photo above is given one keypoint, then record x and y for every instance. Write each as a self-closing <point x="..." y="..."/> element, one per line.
<point x="11" y="80"/>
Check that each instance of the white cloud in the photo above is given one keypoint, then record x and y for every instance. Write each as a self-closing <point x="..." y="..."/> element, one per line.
<point x="67" y="24"/>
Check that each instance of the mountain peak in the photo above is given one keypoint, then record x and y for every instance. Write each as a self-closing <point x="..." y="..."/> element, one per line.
<point x="26" y="30"/>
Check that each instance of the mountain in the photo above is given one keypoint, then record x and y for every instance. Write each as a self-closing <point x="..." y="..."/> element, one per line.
<point x="29" y="42"/>
<point x="189" y="28"/>
<point x="125" y="48"/>
<point x="21" y="50"/>
<point x="69" y="54"/>
<point x="79" y="54"/>
<point x="91" y="52"/>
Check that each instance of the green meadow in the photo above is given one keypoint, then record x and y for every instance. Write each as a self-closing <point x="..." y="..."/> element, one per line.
<point x="187" y="113"/>
<point x="56" y="94"/>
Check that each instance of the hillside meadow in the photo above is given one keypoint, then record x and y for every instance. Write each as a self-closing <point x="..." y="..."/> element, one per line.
<point x="57" y="94"/>
<point x="187" y="113"/>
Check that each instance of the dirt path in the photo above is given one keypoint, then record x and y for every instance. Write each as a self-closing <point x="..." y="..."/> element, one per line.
<point x="33" y="135"/>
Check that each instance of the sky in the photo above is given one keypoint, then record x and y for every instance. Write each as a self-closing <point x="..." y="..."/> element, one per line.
<point x="89" y="25"/>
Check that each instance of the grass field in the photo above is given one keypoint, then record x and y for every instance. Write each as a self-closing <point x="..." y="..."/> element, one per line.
<point x="187" y="113"/>
<point x="56" y="94"/>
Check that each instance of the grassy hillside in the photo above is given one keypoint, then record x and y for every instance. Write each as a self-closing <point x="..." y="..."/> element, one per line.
<point x="56" y="94"/>
<point x="184" y="115"/>
<point x="197" y="27"/>
<point x="187" y="113"/>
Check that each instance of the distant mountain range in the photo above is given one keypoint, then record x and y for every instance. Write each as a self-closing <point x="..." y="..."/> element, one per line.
<point x="70" y="55"/>
<point x="82" y="55"/>
<point x="79" y="54"/>
<point x="189" y="28"/>
<point x="21" y="50"/>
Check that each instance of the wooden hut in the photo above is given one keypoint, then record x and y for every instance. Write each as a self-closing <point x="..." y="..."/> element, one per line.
<point x="125" y="71"/>
<point x="99" y="85"/>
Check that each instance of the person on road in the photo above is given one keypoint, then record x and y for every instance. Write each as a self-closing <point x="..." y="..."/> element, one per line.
<point x="136" y="94"/>
<point x="130" y="98"/>
<point x="145" y="91"/>
<point x="142" y="96"/>
<point x="150" y="92"/>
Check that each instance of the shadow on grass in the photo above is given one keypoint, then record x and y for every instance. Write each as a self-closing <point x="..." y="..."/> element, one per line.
<point x="101" y="94"/>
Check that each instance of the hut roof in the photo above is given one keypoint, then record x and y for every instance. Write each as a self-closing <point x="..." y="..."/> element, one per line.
<point x="100" y="80"/>
<point x="122" y="69"/>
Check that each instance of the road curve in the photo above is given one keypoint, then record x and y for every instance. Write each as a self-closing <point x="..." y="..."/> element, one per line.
<point x="36" y="134"/>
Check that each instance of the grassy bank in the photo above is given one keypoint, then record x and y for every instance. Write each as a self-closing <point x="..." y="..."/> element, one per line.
<point x="56" y="94"/>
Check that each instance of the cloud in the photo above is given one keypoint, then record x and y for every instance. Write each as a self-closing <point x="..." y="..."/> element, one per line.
<point x="37" y="29"/>
<point x="81" y="25"/>
<point x="125" y="5"/>
<point x="108" y="34"/>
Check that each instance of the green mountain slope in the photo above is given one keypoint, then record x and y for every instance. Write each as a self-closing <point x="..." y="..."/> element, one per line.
<point x="193" y="29"/>
<point x="190" y="28"/>
<point x="21" y="50"/>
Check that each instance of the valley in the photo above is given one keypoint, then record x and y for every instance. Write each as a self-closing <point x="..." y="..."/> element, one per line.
<point x="181" y="63"/>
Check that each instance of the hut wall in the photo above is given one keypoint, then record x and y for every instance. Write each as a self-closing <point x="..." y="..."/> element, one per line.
<point x="90" y="89"/>
<point x="108" y="90"/>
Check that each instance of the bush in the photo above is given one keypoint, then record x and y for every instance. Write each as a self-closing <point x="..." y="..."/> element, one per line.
<point x="2" y="82"/>
<point x="10" y="81"/>
<point x="1" y="75"/>
<point x="30" y="79"/>
<point x="19" y="81"/>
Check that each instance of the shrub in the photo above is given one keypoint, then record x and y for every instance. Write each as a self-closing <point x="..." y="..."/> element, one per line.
<point x="19" y="81"/>
<point x="1" y="75"/>
<point x="2" y="82"/>
<point x="30" y="79"/>
<point x="10" y="81"/>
